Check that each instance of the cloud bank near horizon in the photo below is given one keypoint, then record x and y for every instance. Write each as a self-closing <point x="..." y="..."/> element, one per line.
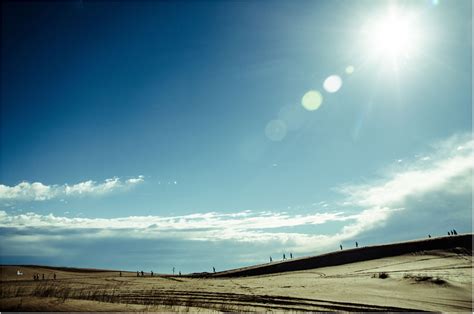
<point x="407" y="200"/>
<point x="37" y="191"/>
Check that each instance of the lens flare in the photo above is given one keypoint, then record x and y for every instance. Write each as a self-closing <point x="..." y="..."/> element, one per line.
<point x="332" y="84"/>
<point x="275" y="130"/>
<point x="312" y="100"/>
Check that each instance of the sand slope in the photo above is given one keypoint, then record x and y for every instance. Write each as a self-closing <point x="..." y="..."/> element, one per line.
<point x="350" y="256"/>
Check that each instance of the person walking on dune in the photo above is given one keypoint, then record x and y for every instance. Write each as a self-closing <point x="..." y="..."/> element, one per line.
<point x="271" y="259"/>
<point x="291" y="255"/>
<point x="284" y="257"/>
<point x="455" y="233"/>
<point x="213" y="269"/>
<point x="151" y="273"/>
<point x="340" y="245"/>
<point x="357" y="244"/>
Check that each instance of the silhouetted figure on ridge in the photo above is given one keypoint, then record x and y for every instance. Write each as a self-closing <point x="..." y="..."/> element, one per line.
<point x="291" y="255"/>
<point x="143" y="273"/>
<point x="455" y="233"/>
<point x="429" y="236"/>
<point x="179" y="273"/>
<point x="284" y="257"/>
<point x="357" y="244"/>
<point x="449" y="232"/>
<point x="151" y="273"/>
<point x="138" y="274"/>
<point x="213" y="269"/>
<point x="271" y="259"/>
<point x="340" y="245"/>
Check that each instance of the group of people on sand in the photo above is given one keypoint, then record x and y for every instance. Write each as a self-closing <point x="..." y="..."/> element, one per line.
<point x="452" y="232"/>
<point x="284" y="257"/>
<point x="142" y="274"/>
<point x="37" y="276"/>
<point x="357" y="245"/>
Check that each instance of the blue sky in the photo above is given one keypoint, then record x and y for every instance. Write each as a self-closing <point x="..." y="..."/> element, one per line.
<point x="181" y="126"/>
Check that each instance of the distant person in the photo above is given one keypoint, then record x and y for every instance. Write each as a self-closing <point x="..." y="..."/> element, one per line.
<point x="54" y="276"/>
<point x="43" y="276"/>
<point x="120" y="274"/>
<point x="173" y="271"/>
<point x="138" y="274"/>
<point x="449" y="232"/>
<point x="291" y="255"/>
<point x="455" y="233"/>
<point x="179" y="273"/>
<point x="271" y="259"/>
<point x="340" y="245"/>
<point x="284" y="257"/>
<point x="34" y="276"/>
<point x="151" y="273"/>
<point x="357" y="244"/>
<point x="429" y="236"/>
<point x="213" y="269"/>
<point x="143" y="274"/>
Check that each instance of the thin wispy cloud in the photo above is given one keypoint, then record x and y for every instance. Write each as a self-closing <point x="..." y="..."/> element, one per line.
<point x="37" y="191"/>
<point x="244" y="226"/>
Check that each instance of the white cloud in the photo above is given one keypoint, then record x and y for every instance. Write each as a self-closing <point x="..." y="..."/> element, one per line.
<point x="422" y="176"/>
<point x="25" y="190"/>
<point x="243" y="226"/>
<point x="38" y="191"/>
<point x="136" y="180"/>
<point x="241" y="221"/>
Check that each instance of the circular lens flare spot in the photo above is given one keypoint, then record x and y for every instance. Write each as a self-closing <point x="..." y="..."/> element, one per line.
<point x="275" y="130"/>
<point x="333" y="83"/>
<point x="350" y="69"/>
<point x="312" y="100"/>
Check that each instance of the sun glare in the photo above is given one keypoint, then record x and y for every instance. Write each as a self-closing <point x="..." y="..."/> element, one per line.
<point x="393" y="36"/>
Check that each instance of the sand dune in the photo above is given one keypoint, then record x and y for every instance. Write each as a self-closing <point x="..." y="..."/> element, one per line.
<point x="350" y="256"/>
<point x="433" y="275"/>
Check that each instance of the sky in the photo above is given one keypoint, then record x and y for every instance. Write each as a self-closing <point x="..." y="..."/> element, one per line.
<point x="150" y="135"/>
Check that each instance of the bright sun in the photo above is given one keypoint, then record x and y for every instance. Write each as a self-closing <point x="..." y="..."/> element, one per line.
<point x="393" y="36"/>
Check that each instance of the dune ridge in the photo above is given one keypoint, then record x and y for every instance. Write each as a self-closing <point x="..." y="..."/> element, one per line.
<point x="346" y="256"/>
